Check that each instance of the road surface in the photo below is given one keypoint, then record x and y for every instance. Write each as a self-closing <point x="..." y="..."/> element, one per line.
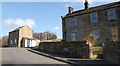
<point x="23" y="56"/>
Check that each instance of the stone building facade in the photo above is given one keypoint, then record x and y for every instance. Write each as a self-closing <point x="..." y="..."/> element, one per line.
<point x="101" y="21"/>
<point x="16" y="36"/>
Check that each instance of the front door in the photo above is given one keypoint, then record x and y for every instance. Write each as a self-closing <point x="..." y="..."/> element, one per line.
<point x="28" y="43"/>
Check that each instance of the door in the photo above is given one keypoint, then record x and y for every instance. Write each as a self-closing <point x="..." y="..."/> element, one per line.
<point x="28" y="43"/>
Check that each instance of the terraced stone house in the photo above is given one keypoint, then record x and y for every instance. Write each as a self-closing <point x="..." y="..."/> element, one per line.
<point x="103" y="22"/>
<point x="21" y="37"/>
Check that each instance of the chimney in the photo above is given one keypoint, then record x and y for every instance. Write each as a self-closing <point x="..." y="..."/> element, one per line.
<point x="70" y="9"/>
<point x="86" y="4"/>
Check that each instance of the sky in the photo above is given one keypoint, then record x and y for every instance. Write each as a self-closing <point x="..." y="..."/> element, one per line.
<point x="40" y="16"/>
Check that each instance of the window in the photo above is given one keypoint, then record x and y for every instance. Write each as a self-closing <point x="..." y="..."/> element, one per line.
<point x="73" y="36"/>
<point x="64" y="35"/>
<point x="15" y="41"/>
<point x="28" y="43"/>
<point x="93" y="17"/>
<point x="114" y="32"/>
<point x="96" y="33"/>
<point x="10" y="41"/>
<point x="73" y="22"/>
<point x="111" y="14"/>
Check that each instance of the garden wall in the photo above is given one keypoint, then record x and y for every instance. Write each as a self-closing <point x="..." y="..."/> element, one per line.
<point x="111" y="52"/>
<point x="71" y="48"/>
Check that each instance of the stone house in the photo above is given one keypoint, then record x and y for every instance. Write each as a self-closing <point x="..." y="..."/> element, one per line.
<point x="21" y="37"/>
<point x="102" y="22"/>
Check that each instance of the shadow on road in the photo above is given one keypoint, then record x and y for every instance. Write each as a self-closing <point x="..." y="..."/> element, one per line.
<point x="76" y="60"/>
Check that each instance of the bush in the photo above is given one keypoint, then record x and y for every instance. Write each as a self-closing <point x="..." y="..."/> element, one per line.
<point x="97" y="48"/>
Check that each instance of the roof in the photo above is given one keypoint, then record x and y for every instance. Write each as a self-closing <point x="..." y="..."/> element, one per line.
<point x="93" y="9"/>
<point x="19" y="28"/>
<point x="28" y="38"/>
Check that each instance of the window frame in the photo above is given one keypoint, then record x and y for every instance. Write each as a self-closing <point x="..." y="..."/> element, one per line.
<point x="114" y="33"/>
<point x="15" y="41"/>
<point x="11" y="41"/>
<point x="94" y="19"/>
<point x="73" y="36"/>
<point x="96" y="33"/>
<point x="75" y="22"/>
<point x="113" y="13"/>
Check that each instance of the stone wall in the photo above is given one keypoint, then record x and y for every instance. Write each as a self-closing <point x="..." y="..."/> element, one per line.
<point x="12" y="37"/>
<point x="71" y="48"/>
<point x="111" y="52"/>
<point x="24" y="32"/>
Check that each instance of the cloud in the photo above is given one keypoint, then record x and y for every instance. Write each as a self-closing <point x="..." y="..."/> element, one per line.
<point x="57" y="28"/>
<point x="66" y="6"/>
<point x="65" y="1"/>
<point x="17" y="22"/>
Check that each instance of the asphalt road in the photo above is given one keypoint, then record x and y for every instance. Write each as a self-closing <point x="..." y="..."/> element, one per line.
<point x="23" y="56"/>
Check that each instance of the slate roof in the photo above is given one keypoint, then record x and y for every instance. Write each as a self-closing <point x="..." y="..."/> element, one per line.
<point x="17" y="28"/>
<point x="92" y="9"/>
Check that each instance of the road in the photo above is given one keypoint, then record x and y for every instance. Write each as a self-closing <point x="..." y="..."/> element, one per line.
<point x="23" y="56"/>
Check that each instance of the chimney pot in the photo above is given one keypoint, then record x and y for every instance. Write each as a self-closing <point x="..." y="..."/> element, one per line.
<point x="70" y="9"/>
<point x="86" y="4"/>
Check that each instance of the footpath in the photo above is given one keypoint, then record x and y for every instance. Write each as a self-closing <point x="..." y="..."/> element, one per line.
<point x="69" y="60"/>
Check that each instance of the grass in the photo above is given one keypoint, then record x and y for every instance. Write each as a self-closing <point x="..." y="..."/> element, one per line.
<point x="54" y="40"/>
<point x="98" y="48"/>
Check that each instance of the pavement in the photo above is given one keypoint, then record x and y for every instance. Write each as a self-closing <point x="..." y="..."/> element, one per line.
<point x="51" y="56"/>
<point x="70" y="60"/>
<point x="30" y="57"/>
<point x="23" y="56"/>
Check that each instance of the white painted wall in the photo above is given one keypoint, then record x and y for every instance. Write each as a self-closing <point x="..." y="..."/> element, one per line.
<point x="30" y="45"/>
<point x="33" y="43"/>
<point x="25" y="43"/>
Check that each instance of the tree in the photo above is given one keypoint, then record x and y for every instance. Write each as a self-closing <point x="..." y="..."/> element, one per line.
<point x="91" y="39"/>
<point x="4" y="41"/>
<point x="54" y="36"/>
<point x="36" y="35"/>
<point x="44" y="35"/>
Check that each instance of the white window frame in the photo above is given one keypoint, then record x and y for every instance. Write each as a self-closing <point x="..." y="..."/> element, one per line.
<point x="109" y="14"/>
<point x="11" y="42"/>
<point x="96" y="18"/>
<point x="15" y="41"/>
<point x="75" y="22"/>
<point x="28" y="42"/>
<point x="73" y="36"/>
